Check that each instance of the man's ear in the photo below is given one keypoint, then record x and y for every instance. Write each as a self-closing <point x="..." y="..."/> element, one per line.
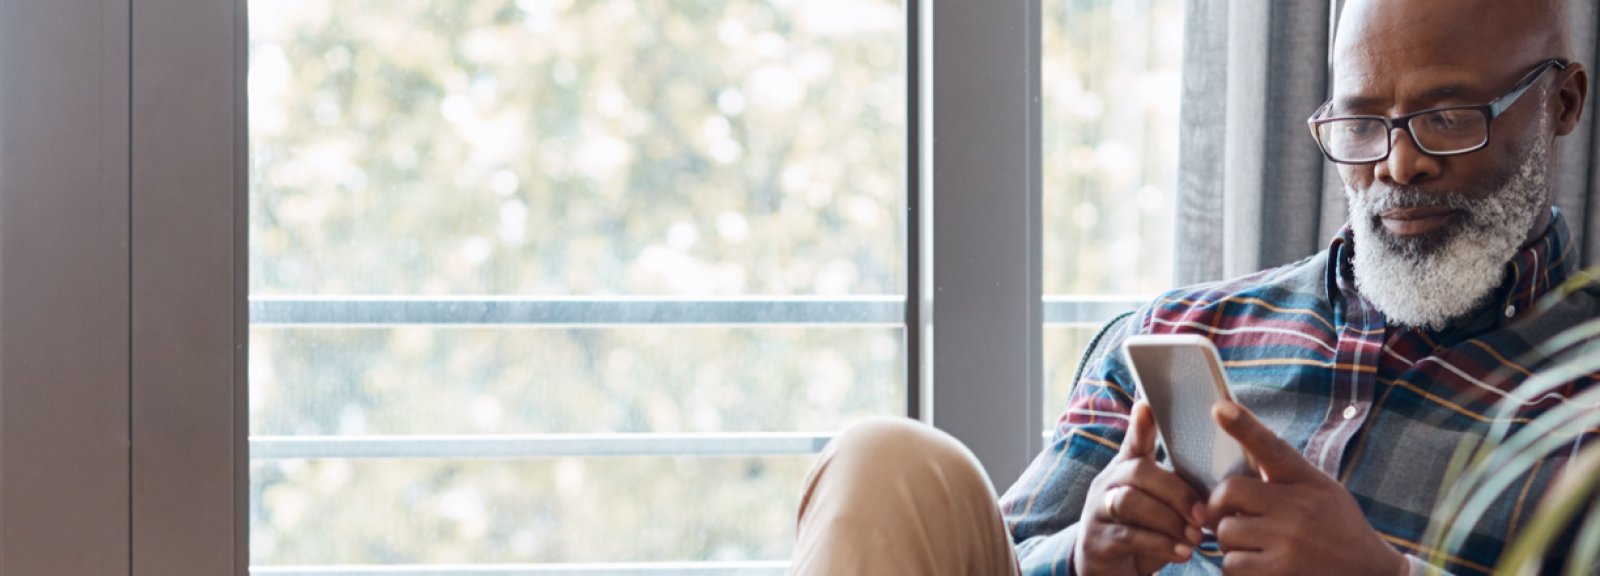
<point x="1572" y="97"/>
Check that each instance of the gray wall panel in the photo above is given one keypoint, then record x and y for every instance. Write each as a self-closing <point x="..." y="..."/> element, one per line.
<point x="63" y="287"/>
<point x="187" y="294"/>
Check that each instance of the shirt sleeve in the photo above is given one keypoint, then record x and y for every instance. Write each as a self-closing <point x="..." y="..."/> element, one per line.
<point x="1042" y="508"/>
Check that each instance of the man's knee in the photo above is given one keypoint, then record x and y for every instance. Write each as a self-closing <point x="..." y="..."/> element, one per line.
<point x="901" y="491"/>
<point x="885" y="446"/>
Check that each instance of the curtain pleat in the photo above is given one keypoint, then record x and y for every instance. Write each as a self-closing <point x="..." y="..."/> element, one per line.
<point x="1579" y="185"/>
<point x="1297" y="84"/>
<point x="1202" y="121"/>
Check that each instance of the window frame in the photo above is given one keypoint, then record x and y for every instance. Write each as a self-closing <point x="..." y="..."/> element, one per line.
<point x="123" y="274"/>
<point x="982" y="217"/>
<point x="188" y="291"/>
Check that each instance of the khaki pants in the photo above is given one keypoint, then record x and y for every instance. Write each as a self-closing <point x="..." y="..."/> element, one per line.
<point x="893" y="496"/>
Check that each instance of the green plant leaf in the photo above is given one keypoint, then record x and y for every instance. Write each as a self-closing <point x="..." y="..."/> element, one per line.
<point x="1587" y="547"/>
<point x="1566" y="496"/>
<point x="1483" y="469"/>
<point x="1488" y="478"/>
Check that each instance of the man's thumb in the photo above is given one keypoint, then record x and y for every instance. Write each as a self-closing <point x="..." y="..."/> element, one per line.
<point x="1141" y="439"/>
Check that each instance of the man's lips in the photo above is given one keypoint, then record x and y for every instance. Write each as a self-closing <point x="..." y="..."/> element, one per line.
<point x="1420" y="220"/>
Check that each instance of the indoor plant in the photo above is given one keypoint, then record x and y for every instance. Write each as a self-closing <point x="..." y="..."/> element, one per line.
<point x="1484" y="471"/>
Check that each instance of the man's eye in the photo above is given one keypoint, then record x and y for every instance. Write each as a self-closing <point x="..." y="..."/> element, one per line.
<point x="1357" y="129"/>
<point x="1454" y="121"/>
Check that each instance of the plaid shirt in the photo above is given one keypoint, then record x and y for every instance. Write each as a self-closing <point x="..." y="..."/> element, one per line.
<point x="1379" y="407"/>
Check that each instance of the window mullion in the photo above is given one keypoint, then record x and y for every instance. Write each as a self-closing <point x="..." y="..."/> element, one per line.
<point x="984" y="210"/>
<point x="188" y="253"/>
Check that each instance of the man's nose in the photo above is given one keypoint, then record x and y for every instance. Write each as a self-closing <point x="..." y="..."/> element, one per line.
<point x="1407" y="163"/>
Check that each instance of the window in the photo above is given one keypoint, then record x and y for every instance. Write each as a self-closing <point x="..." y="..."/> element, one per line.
<point x="436" y="265"/>
<point x="565" y="281"/>
<point x="1111" y="82"/>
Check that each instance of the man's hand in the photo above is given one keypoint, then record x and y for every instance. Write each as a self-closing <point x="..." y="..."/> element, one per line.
<point x="1294" y="519"/>
<point x="1138" y="517"/>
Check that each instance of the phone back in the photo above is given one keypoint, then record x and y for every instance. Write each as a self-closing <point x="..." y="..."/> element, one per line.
<point x="1182" y="378"/>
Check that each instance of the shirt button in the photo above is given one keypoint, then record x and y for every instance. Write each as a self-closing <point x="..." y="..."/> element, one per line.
<point x="1350" y="412"/>
<point x="1511" y="310"/>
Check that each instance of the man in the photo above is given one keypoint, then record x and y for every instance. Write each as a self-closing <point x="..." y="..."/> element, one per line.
<point x="1357" y="371"/>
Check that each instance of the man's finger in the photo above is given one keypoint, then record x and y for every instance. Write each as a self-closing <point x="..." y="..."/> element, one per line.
<point x="1240" y="495"/>
<point x="1140" y="442"/>
<point x="1248" y="563"/>
<point x="1246" y="533"/>
<point x="1160" y="483"/>
<point x="1131" y="541"/>
<point x="1276" y="459"/>
<point x="1131" y="506"/>
<point x="1167" y="487"/>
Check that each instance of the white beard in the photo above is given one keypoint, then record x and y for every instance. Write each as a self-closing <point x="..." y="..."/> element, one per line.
<point x="1433" y="280"/>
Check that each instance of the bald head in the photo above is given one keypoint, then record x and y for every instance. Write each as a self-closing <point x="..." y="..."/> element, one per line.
<point x="1531" y="28"/>
<point x="1395" y="57"/>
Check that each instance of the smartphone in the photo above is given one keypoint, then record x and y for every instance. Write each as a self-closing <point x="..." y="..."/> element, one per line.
<point x="1181" y="377"/>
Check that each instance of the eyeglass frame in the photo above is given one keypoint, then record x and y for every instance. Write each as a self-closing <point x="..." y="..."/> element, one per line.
<point x="1490" y="111"/>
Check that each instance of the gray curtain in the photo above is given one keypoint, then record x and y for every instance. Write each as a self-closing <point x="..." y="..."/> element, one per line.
<point x="1253" y="191"/>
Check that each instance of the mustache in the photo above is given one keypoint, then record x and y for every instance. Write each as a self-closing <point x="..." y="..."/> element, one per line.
<point x="1382" y="198"/>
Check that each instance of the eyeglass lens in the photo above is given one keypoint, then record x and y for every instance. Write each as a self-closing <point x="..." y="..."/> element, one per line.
<point x="1437" y="132"/>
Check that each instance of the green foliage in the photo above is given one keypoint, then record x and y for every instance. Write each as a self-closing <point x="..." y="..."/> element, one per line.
<point x="553" y="147"/>
<point x="1111" y="73"/>
<point x="1483" y="472"/>
<point x="576" y="147"/>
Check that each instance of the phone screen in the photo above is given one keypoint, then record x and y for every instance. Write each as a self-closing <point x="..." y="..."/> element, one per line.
<point x="1181" y="377"/>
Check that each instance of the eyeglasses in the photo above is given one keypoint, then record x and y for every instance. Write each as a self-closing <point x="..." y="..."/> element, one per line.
<point x="1445" y="131"/>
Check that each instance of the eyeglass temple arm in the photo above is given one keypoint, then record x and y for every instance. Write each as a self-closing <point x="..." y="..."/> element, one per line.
<point x="1499" y="106"/>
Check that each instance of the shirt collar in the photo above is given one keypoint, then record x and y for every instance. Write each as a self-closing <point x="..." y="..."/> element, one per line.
<point x="1529" y="275"/>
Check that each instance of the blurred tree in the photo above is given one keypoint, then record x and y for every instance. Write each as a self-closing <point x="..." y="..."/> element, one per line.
<point x="589" y="147"/>
<point x="627" y="147"/>
<point x="1111" y="85"/>
<point x="576" y="147"/>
